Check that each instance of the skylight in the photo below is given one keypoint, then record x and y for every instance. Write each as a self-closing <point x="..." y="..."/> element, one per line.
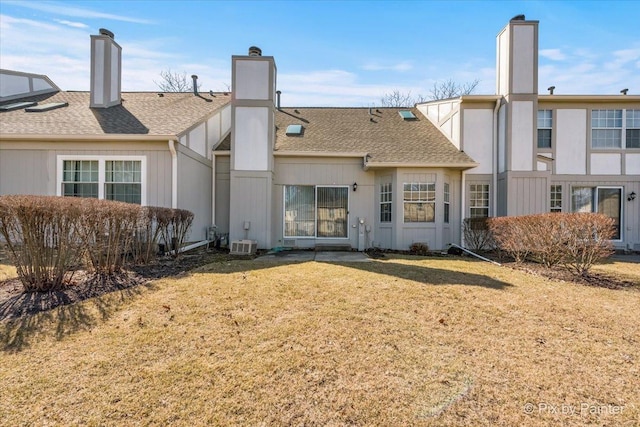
<point x="16" y="106"/>
<point x="294" y="130"/>
<point x="407" y="115"/>
<point x="46" y="107"/>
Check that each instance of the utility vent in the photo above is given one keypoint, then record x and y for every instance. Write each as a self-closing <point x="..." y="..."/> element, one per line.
<point x="243" y="247"/>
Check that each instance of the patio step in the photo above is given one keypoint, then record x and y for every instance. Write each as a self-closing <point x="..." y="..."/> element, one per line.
<point x="333" y="247"/>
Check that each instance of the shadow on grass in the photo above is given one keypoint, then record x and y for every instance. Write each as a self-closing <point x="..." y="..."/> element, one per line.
<point x="59" y="314"/>
<point x="428" y="275"/>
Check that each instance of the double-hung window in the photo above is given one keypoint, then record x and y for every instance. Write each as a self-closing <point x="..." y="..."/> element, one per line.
<point x="633" y="129"/>
<point x="555" y="198"/>
<point x="386" y="197"/>
<point x="419" y="202"/>
<point x="446" y="202"/>
<point x="479" y="200"/>
<point x="545" y="126"/>
<point x="604" y="200"/>
<point x="103" y="177"/>
<point x="615" y="128"/>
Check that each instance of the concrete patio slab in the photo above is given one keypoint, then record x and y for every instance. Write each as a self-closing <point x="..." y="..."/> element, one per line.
<point x="322" y="256"/>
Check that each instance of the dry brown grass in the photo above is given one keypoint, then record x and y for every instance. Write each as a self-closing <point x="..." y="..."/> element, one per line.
<point x="406" y="341"/>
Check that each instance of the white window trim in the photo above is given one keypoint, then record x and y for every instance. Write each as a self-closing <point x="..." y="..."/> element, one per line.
<point x="545" y="128"/>
<point x="487" y="207"/>
<point x="623" y="130"/>
<point x="315" y="211"/>
<point x="60" y="159"/>
<point x="390" y="202"/>
<point x="595" y="189"/>
<point x="434" y="202"/>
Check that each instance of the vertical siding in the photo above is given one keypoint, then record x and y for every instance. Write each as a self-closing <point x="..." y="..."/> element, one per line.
<point x="222" y="191"/>
<point x="194" y="193"/>
<point x="26" y="172"/>
<point x="528" y="195"/>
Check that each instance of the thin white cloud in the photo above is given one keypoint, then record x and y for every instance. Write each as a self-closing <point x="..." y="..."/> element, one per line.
<point x="71" y="23"/>
<point x="553" y="54"/>
<point x="400" y="66"/>
<point x="76" y="12"/>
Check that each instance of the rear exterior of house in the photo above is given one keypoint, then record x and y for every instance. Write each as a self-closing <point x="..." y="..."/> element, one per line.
<point x="138" y="147"/>
<point x="348" y="177"/>
<point x="545" y="153"/>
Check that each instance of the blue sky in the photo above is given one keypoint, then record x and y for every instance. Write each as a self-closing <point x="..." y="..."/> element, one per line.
<point x="329" y="53"/>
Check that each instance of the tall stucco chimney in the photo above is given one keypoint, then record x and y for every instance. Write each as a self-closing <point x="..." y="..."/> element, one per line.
<point x="106" y="70"/>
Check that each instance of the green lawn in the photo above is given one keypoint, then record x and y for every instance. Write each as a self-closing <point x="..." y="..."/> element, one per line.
<point x="403" y="341"/>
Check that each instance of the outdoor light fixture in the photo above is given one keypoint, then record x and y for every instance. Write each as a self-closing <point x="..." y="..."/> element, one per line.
<point x="355" y="187"/>
<point x="631" y="197"/>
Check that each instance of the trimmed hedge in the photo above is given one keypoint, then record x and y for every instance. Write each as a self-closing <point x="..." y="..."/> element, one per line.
<point x="575" y="241"/>
<point x="49" y="237"/>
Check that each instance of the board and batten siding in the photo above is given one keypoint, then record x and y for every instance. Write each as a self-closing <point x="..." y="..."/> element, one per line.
<point x="222" y="193"/>
<point x="326" y="171"/>
<point x="194" y="190"/>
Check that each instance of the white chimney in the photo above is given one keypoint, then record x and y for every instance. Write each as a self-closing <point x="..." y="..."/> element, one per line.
<point x="106" y="70"/>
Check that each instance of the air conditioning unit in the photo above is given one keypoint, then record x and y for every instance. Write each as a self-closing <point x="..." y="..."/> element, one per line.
<point x="243" y="247"/>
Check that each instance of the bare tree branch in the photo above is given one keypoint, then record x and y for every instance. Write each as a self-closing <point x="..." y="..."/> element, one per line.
<point x="440" y="90"/>
<point x="175" y="82"/>
<point x="452" y="89"/>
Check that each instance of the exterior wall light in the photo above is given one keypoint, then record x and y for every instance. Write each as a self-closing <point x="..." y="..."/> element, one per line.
<point x="355" y="186"/>
<point x="631" y="197"/>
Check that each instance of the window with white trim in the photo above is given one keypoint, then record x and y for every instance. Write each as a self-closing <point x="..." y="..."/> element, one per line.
<point x="545" y="125"/>
<point x="386" y="197"/>
<point x="615" y="128"/>
<point x="555" y="198"/>
<point x="316" y="211"/>
<point x="446" y="202"/>
<point x="104" y="177"/>
<point x="479" y="200"/>
<point x="419" y="202"/>
<point x="632" y="131"/>
<point x="604" y="200"/>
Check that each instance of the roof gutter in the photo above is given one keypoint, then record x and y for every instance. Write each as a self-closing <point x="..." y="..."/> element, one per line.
<point x="86" y="137"/>
<point x="318" y="154"/>
<point x="464" y="166"/>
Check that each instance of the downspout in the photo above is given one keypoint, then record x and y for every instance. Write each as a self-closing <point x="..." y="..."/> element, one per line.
<point x="174" y="174"/>
<point x="213" y="187"/>
<point x="463" y="198"/>
<point x="494" y="168"/>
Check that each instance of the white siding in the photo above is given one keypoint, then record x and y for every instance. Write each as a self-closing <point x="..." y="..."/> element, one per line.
<point x="197" y="141"/>
<point x="502" y="129"/>
<point x="114" y="77"/>
<point x="606" y="164"/>
<point x="252" y="79"/>
<point x="633" y="164"/>
<point x="523" y="59"/>
<point x="478" y="138"/>
<point x="251" y="149"/>
<point x="522" y="136"/>
<point x="571" y="142"/>
<point x="98" y="69"/>
<point x="502" y="82"/>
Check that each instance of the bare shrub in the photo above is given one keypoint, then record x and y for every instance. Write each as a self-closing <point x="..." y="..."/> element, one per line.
<point x="107" y="229"/>
<point x="145" y="243"/>
<point x="419" y="249"/>
<point x="574" y="240"/>
<point x="477" y="235"/>
<point x="40" y="234"/>
<point x="589" y="240"/>
<point x="510" y="235"/>
<point x="174" y="226"/>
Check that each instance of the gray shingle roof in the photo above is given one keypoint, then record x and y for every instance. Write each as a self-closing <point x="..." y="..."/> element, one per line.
<point x="384" y="135"/>
<point x="141" y="113"/>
